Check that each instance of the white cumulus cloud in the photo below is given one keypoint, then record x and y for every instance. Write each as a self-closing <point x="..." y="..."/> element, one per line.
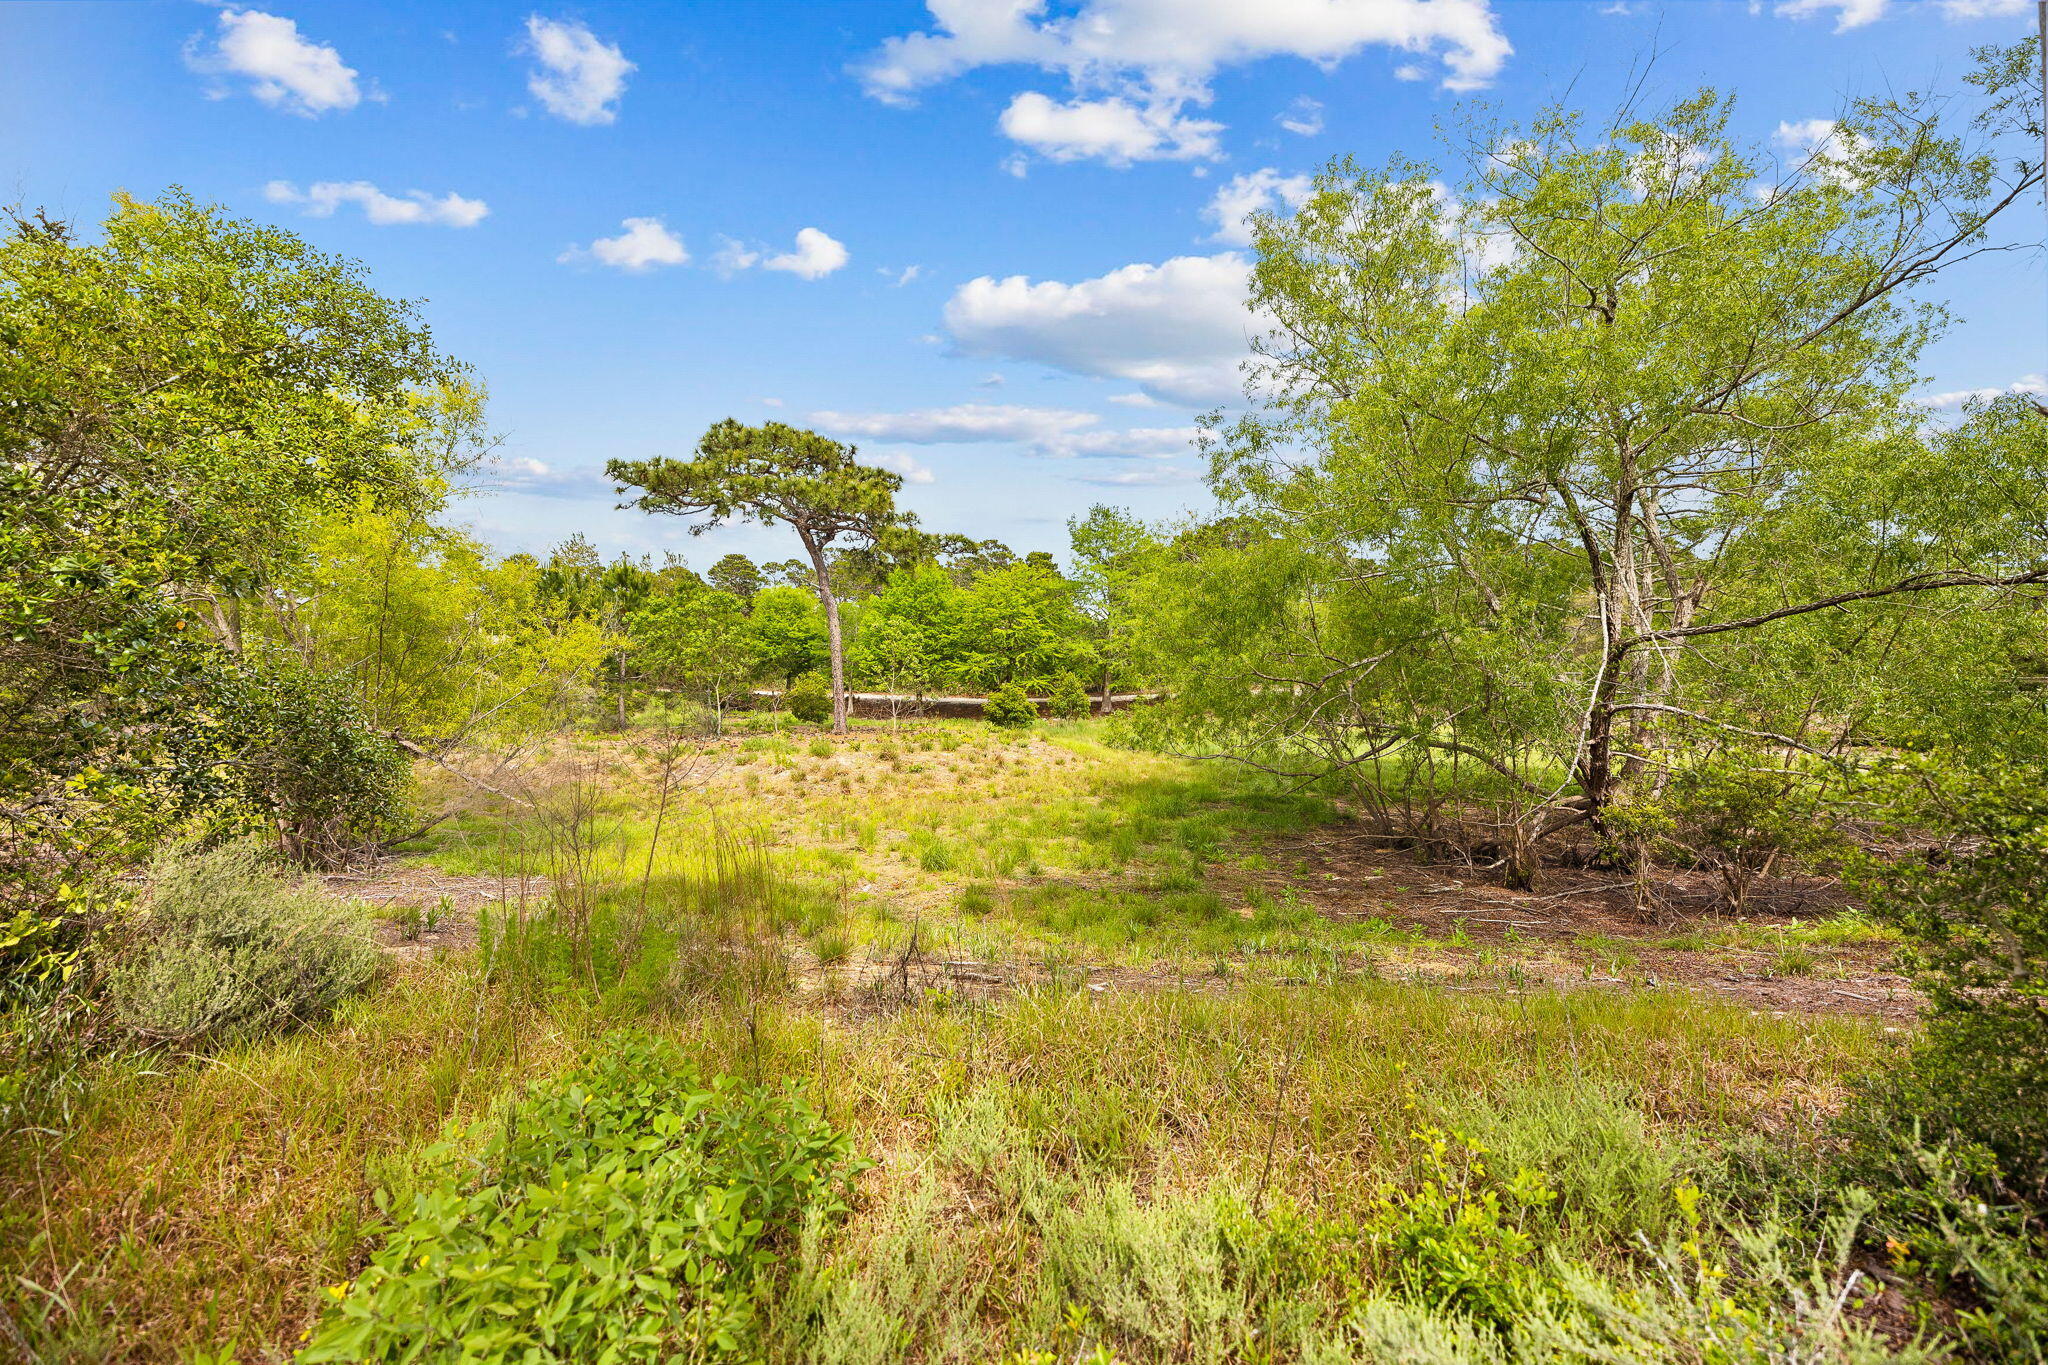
<point x="1112" y="130"/>
<point x="817" y="254"/>
<point x="579" y="76"/>
<point x="1848" y="13"/>
<point x="644" y="244"/>
<point x="1133" y="66"/>
<point x="284" y="70"/>
<point x="1173" y="44"/>
<point x="1260" y="191"/>
<point x="1179" y="329"/>
<point x="414" y="207"/>
<point x="1854" y="14"/>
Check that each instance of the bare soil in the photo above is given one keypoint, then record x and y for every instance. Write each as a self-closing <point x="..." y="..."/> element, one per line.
<point x="1581" y="927"/>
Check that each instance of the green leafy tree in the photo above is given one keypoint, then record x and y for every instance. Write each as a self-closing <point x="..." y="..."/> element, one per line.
<point x="441" y="641"/>
<point x="1602" y="455"/>
<point x="1976" y="925"/>
<point x="786" y="630"/>
<point x="1020" y="624"/>
<point x="966" y="559"/>
<point x="738" y="575"/>
<point x="777" y="474"/>
<point x="698" y="642"/>
<point x="1112" y="554"/>
<point x="910" y="636"/>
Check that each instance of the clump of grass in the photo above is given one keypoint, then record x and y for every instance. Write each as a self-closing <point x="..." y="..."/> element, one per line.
<point x="831" y="945"/>
<point x="821" y="747"/>
<point x="933" y="853"/>
<point x="1795" y="960"/>
<point x="976" y="900"/>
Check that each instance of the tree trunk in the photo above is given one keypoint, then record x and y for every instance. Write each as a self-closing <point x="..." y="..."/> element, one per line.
<point x="837" y="647"/>
<point x="1105" y="688"/>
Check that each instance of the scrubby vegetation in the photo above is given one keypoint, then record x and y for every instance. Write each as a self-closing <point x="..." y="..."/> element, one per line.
<point x="1572" y="889"/>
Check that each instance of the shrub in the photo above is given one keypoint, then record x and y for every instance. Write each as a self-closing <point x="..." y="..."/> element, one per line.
<point x="1010" y="707"/>
<point x="1976" y="923"/>
<point x="1458" y="1240"/>
<point x="809" y="699"/>
<point x="226" y="943"/>
<point x="1069" y="699"/>
<point x="307" y="764"/>
<point x="625" y="1213"/>
<point x="1742" y="824"/>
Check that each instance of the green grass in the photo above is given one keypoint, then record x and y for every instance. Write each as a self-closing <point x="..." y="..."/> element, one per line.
<point x="1230" y="1136"/>
<point x="212" y="1199"/>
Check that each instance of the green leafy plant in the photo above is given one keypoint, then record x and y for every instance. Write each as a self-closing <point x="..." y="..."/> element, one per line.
<point x="628" y="1212"/>
<point x="1742" y="824"/>
<point x="1457" y="1240"/>
<point x="1010" y="707"/>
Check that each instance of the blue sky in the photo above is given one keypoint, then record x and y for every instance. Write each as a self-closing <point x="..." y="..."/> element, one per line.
<point x="990" y="241"/>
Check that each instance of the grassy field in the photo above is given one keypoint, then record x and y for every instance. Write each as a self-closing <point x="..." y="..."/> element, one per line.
<point x="1139" y="1063"/>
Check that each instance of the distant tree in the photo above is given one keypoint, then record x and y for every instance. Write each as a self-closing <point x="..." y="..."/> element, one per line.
<point x="1020" y="625"/>
<point x="966" y="559"/>
<point x="777" y="474"/>
<point x="738" y="575"/>
<point x="622" y="589"/>
<point x="910" y="632"/>
<point x="437" y="641"/>
<point x="787" y="633"/>
<point x="575" y="553"/>
<point x="895" y="653"/>
<point x="1112" y="552"/>
<point x="696" y="641"/>
<point x="675" y="572"/>
<point x="788" y="573"/>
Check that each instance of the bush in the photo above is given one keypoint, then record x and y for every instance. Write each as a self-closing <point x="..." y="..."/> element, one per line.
<point x="809" y="699"/>
<point x="227" y="944"/>
<point x="306" y="761"/>
<point x="1069" y="698"/>
<point x="1976" y="921"/>
<point x="625" y="1213"/>
<point x="1010" y="707"/>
